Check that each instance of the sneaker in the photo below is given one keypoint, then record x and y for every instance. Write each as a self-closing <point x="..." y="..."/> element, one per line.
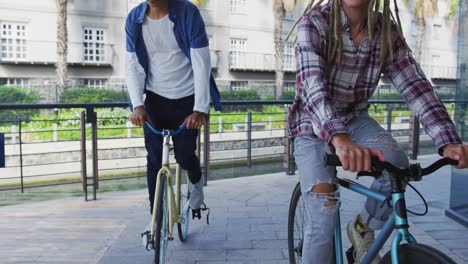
<point x="196" y="195"/>
<point x="361" y="240"/>
<point x="146" y="238"/>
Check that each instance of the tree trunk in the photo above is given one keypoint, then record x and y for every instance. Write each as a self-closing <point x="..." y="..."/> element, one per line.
<point x="279" y="49"/>
<point x="421" y="23"/>
<point x="414" y="121"/>
<point x="62" y="47"/>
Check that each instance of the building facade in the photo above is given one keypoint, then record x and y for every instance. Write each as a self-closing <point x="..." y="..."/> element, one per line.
<point x="240" y="32"/>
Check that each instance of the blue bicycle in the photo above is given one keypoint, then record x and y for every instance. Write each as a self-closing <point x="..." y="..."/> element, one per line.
<point x="407" y="253"/>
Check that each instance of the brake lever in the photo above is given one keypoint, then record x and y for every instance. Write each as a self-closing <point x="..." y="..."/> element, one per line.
<point x="373" y="173"/>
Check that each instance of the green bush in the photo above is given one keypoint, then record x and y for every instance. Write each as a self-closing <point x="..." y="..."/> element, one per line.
<point x="15" y="95"/>
<point x="93" y="95"/>
<point x="288" y="95"/>
<point x="241" y="95"/>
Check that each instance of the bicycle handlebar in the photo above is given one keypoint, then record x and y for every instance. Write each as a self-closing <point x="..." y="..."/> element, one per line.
<point x="414" y="171"/>
<point x="166" y="132"/>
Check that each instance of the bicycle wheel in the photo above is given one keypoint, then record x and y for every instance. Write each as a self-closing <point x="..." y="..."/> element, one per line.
<point x="418" y="253"/>
<point x="160" y="232"/>
<point x="183" y="226"/>
<point x="296" y="225"/>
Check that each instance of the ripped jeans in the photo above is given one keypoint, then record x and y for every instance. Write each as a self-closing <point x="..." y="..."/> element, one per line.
<point x="318" y="242"/>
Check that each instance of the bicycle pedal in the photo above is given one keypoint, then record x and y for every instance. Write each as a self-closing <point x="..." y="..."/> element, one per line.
<point x="196" y="213"/>
<point x="149" y="243"/>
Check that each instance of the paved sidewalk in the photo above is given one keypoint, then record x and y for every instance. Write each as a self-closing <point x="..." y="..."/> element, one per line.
<point x="248" y="224"/>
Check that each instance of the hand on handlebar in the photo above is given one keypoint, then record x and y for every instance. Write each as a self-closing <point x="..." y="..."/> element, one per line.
<point x="195" y="120"/>
<point x="139" y="116"/>
<point x="457" y="152"/>
<point x="354" y="157"/>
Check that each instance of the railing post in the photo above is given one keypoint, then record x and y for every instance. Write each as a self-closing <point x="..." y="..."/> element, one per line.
<point x="389" y="118"/>
<point x="249" y="139"/>
<point x="414" y="137"/>
<point x="91" y="117"/>
<point x="289" y="149"/>
<point x="206" y="150"/>
<point x="20" y="141"/>
<point x="2" y="150"/>
<point x="95" y="155"/>
<point x="84" y="173"/>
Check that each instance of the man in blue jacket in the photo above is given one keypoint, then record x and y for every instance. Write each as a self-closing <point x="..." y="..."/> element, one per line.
<point x="168" y="60"/>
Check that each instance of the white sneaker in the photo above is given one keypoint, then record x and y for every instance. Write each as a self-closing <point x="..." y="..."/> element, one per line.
<point x="196" y="195"/>
<point x="361" y="241"/>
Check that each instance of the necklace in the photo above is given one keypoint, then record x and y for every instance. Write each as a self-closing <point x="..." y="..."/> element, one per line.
<point x="357" y="34"/>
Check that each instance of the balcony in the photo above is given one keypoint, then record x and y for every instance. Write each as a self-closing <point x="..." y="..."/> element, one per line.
<point x="246" y="61"/>
<point x="440" y="72"/>
<point x="45" y="53"/>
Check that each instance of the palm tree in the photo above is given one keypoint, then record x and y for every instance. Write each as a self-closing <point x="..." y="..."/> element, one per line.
<point x="199" y="3"/>
<point x="280" y="7"/>
<point x="423" y="9"/>
<point x="62" y="46"/>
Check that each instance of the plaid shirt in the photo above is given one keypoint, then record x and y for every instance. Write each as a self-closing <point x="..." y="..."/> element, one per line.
<point x="329" y="96"/>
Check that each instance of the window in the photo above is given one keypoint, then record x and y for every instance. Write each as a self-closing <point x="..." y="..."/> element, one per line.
<point x="13" y="41"/>
<point x="289" y="86"/>
<point x="236" y="52"/>
<point x="15" y="82"/>
<point x="414" y="28"/>
<point x="288" y="56"/>
<point x="239" y="85"/>
<point x="95" y="83"/>
<point x="93" y="45"/>
<point x="288" y="15"/>
<point x="437" y="31"/>
<point x="238" y="6"/>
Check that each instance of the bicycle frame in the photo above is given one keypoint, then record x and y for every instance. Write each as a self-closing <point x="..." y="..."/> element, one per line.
<point x="397" y="220"/>
<point x="174" y="203"/>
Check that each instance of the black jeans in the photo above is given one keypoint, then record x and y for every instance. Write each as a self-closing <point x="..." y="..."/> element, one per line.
<point x="170" y="114"/>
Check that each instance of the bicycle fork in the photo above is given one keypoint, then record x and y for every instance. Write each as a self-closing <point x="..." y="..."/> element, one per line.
<point x="173" y="216"/>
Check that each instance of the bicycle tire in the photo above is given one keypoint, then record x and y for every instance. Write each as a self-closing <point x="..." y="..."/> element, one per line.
<point x="295" y="233"/>
<point x="418" y="253"/>
<point x="184" y="197"/>
<point x="160" y="231"/>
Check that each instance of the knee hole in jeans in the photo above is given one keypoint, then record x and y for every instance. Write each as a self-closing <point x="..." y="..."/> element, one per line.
<point x="328" y="193"/>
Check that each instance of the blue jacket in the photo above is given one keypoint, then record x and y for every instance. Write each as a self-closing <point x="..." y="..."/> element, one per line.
<point x="189" y="30"/>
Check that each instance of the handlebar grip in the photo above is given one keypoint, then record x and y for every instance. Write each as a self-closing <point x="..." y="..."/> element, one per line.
<point x="332" y="160"/>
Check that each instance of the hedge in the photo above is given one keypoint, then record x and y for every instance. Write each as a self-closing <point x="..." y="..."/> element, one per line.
<point x="93" y="95"/>
<point x="16" y="95"/>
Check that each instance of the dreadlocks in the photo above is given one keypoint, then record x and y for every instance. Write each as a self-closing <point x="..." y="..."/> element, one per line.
<point x="335" y="43"/>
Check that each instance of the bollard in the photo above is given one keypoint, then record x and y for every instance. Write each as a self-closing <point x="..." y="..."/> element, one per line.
<point x="220" y="124"/>
<point x="54" y="135"/>
<point x="270" y="125"/>
<point x="13" y="134"/>
<point x="129" y="129"/>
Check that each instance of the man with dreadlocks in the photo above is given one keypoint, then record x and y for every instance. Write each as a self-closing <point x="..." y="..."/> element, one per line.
<point x="342" y="49"/>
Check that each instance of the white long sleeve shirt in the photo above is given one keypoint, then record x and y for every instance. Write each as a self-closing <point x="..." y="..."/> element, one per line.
<point x="170" y="73"/>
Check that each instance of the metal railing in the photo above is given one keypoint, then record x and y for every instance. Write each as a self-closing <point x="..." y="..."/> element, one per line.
<point x="65" y="151"/>
<point x="249" y="61"/>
